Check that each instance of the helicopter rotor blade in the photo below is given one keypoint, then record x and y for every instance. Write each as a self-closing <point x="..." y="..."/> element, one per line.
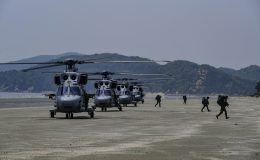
<point x="93" y="79"/>
<point x="94" y="59"/>
<point x="74" y="61"/>
<point x="126" y="79"/>
<point x="13" y="63"/>
<point x="148" y="61"/>
<point x="157" y="78"/>
<point x="41" y="67"/>
<point x="106" y="73"/>
<point x="149" y="74"/>
<point x="71" y="62"/>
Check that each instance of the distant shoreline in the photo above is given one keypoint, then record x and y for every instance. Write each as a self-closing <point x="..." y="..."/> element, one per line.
<point x="17" y="95"/>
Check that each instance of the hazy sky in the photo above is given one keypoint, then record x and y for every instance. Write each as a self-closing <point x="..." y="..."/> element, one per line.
<point x="216" y="32"/>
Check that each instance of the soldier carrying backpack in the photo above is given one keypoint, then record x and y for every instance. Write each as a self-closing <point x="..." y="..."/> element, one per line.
<point x="158" y="99"/>
<point x="222" y="102"/>
<point x="205" y="102"/>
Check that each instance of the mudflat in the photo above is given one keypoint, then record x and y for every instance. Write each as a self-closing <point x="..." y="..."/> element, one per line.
<point x="174" y="131"/>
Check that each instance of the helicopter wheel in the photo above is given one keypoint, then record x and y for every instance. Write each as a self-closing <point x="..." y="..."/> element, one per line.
<point x="120" y="108"/>
<point x="71" y="115"/>
<point x="135" y="104"/>
<point x="67" y="115"/>
<point x="91" y="114"/>
<point x="105" y="108"/>
<point x="142" y="101"/>
<point x="52" y="114"/>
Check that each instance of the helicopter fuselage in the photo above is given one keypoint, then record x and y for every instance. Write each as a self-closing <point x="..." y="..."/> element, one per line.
<point x="137" y="94"/>
<point x="71" y="96"/>
<point x="124" y="95"/>
<point x="70" y="101"/>
<point x="105" y="96"/>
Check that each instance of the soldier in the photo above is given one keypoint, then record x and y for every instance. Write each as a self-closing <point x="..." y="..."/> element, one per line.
<point x="184" y="99"/>
<point x="222" y="102"/>
<point x="116" y="99"/>
<point x="205" y="102"/>
<point x="158" y="99"/>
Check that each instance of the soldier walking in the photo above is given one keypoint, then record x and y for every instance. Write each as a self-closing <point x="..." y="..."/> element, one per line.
<point x="222" y="102"/>
<point x="205" y="102"/>
<point x="158" y="99"/>
<point x="184" y="99"/>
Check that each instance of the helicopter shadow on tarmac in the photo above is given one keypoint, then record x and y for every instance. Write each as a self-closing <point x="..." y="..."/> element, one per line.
<point x="63" y="118"/>
<point x="109" y="111"/>
<point x="131" y="106"/>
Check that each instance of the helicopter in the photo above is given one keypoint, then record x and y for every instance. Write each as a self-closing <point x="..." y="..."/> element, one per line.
<point x="124" y="93"/>
<point x="130" y="91"/>
<point x="105" y="96"/>
<point x="137" y="93"/>
<point x="70" y="96"/>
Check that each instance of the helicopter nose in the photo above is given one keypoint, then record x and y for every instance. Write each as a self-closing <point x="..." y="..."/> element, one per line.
<point x="124" y="99"/>
<point x="72" y="101"/>
<point x="103" y="100"/>
<point x="137" y="96"/>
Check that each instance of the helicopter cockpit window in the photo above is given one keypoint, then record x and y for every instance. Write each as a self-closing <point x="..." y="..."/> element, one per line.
<point x="98" y="92"/>
<point x="127" y="92"/>
<point x="137" y="93"/>
<point x="74" y="90"/>
<point x="107" y="92"/>
<point x="68" y="90"/>
<point x="104" y="92"/>
<point x="63" y="91"/>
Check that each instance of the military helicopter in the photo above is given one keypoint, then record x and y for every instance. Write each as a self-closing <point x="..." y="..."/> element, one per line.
<point x="70" y="96"/>
<point x="137" y="93"/>
<point x="105" y="96"/>
<point x="130" y="91"/>
<point x="124" y="93"/>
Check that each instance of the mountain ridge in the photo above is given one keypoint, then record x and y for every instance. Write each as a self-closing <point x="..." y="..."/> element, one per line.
<point x="189" y="77"/>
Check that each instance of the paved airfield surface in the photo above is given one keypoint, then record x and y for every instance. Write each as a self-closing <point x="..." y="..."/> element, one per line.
<point x="175" y="131"/>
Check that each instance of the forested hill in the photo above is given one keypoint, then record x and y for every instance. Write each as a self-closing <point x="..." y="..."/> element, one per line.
<point x="188" y="77"/>
<point x="251" y="72"/>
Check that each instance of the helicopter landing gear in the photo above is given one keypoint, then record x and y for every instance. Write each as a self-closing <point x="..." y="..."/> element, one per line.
<point x="135" y="104"/>
<point x="120" y="108"/>
<point x="91" y="114"/>
<point x="103" y="109"/>
<point x="52" y="113"/>
<point x="142" y="101"/>
<point x="69" y="115"/>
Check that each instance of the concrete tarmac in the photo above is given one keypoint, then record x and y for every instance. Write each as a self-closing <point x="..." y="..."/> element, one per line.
<point x="174" y="131"/>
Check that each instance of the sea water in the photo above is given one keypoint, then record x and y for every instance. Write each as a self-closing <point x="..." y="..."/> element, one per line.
<point x="4" y="95"/>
